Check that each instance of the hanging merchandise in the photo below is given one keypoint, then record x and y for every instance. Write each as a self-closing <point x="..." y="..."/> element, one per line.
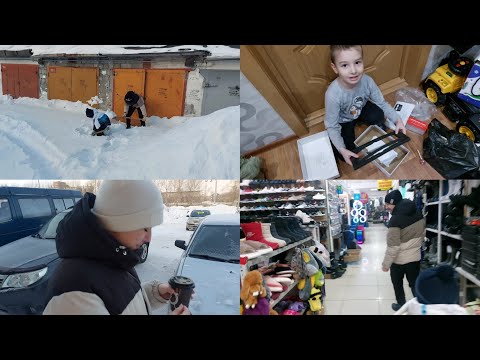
<point x="278" y="218"/>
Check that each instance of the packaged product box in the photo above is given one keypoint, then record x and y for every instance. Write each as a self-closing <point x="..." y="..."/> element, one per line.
<point x="470" y="91"/>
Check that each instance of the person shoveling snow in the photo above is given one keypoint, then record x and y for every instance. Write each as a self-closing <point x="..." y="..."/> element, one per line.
<point x="101" y="121"/>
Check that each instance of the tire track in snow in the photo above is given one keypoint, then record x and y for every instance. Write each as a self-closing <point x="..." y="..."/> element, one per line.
<point x="45" y="157"/>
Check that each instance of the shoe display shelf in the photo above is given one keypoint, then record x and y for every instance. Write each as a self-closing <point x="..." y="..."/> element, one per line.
<point x="262" y="200"/>
<point x="275" y="197"/>
<point x="438" y="204"/>
<point x="333" y="214"/>
<point x="467" y="280"/>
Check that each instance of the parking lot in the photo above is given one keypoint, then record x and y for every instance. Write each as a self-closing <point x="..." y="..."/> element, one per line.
<point x="163" y="256"/>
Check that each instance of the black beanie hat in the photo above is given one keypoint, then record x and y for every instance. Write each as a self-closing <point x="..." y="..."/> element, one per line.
<point x="89" y="113"/>
<point x="437" y="285"/>
<point x="393" y="197"/>
<point x="131" y="97"/>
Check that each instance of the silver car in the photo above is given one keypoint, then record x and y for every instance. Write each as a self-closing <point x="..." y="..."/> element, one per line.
<point x="195" y="217"/>
<point x="211" y="260"/>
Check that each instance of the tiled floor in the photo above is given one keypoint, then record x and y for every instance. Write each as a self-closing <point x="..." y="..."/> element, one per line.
<point x="364" y="289"/>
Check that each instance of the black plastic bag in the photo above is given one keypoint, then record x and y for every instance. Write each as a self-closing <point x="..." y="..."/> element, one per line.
<point x="452" y="154"/>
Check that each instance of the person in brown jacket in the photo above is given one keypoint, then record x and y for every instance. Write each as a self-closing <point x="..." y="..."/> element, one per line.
<point x="134" y="101"/>
<point x="406" y="231"/>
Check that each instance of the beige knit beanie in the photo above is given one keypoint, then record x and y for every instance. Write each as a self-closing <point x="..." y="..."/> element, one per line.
<point x="128" y="205"/>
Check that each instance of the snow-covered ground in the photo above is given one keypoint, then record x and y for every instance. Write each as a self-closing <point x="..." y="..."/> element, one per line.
<point x="50" y="139"/>
<point x="163" y="255"/>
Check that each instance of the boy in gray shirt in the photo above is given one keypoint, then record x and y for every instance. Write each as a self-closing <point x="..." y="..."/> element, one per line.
<point x="351" y="96"/>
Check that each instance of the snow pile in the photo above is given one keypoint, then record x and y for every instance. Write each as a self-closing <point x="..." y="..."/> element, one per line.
<point x="51" y="139"/>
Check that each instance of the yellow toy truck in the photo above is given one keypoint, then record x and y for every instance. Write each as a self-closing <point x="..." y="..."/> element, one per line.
<point x="448" y="78"/>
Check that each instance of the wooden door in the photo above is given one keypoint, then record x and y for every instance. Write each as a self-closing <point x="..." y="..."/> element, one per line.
<point x="84" y="84"/>
<point x="125" y="80"/>
<point x="59" y="83"/>
<point x="165" y="92"/>
<point x="28" y="81"/>
<point x="10" y="80"/>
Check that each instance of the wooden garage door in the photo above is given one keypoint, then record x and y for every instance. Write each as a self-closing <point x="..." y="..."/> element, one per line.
<point x="84" y="84"/>
<point x="165" y="92"/>
<point x="10" y="80"/>
<point x="127" y="80"/>
<point x="73" y="84"/>
<point x="20" y="80"/>
<point x="59" y="82"/>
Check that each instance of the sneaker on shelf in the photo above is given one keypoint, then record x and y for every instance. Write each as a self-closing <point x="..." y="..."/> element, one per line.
<point x="319" y="196"/>
<point x="310" y="188"/>
<point x="245" y="182"/>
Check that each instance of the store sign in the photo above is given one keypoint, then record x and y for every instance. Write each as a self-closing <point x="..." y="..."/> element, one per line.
<point x="384" y="184"/>
<point x="364" y="197"/>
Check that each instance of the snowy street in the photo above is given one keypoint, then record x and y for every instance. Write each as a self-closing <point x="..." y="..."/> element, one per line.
<point x="163" y="255"/>
<point x="50" y="139"/>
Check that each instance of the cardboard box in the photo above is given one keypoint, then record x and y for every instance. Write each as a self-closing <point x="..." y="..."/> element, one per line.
<point x="470" y="91"/>
<point x="353" y="255"/>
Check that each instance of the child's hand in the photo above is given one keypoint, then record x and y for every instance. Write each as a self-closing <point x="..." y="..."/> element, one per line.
<point x="347" y="154"/>
<point x="400" y="127"/>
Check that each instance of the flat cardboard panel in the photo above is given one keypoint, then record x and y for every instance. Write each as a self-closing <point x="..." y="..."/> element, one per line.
<point x="317" y="158"/>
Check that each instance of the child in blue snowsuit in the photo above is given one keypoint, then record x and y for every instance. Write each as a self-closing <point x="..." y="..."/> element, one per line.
<point x="100" y="121"/>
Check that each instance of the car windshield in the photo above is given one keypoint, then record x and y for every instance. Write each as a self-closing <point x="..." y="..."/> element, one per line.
<point x="199" y="213"/>
<point x="216" y="242"/>
<point x="49" y="230"/>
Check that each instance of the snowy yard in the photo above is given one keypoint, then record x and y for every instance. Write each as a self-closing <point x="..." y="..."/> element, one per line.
<point x="50" y="139"/>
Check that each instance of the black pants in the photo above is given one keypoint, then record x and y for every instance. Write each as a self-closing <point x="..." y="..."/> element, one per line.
<point x="371" y="114"/>
<point x="130" y="112"/>
<point x="396" y="274"/>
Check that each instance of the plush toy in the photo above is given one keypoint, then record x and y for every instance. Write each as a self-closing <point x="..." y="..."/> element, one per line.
<point x="314" y="301"/>
<point x="312" y="275"/>
<point x="252" y="289"/>
<point x="297" y="306"/>
<point x="261" y="308"/>
<point x="255" y="295"/>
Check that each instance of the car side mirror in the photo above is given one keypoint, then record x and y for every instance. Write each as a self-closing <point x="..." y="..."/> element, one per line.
<point x="180" y="244"/>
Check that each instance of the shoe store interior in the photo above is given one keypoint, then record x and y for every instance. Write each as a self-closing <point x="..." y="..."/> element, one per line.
<point x="360" y="247"/>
